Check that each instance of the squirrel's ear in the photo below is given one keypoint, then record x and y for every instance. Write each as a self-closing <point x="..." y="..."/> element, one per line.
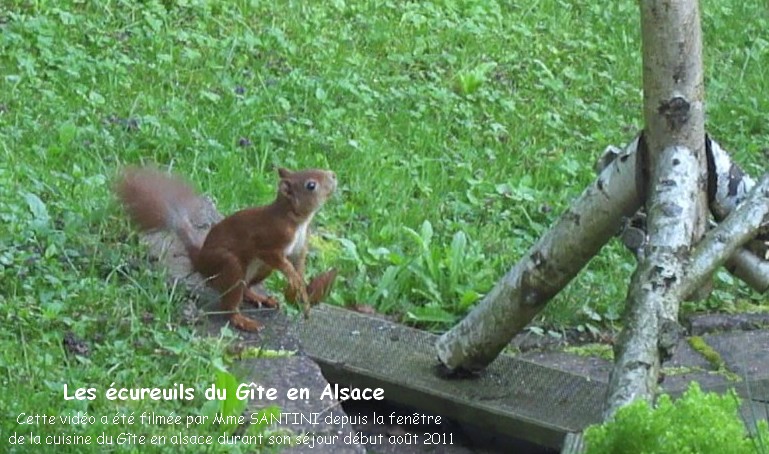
<point x="285" y="187"/>
<point x="284" y="173"/>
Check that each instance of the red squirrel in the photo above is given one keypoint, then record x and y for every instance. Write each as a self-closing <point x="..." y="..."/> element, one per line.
<point x="245" y="247"/>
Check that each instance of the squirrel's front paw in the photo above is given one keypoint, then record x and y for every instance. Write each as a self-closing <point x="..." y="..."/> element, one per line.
<point x="304" y="299"/>
<point x="296" y="291"/>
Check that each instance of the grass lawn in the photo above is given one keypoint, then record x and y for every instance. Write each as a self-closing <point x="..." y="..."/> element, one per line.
<point x="459" y="130"/>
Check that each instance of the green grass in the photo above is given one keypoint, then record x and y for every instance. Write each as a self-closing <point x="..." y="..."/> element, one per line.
<point x="459" y="131"/>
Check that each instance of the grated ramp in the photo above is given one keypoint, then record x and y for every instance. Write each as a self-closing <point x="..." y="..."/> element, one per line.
<point x="516" y="397"/>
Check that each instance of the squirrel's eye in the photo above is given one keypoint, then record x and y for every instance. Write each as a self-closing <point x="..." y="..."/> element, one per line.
<point x="310" y="185"/>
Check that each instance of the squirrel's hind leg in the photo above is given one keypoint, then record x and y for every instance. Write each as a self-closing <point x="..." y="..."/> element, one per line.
<point x="228" y="280"/>
<point x="259" y="299"/>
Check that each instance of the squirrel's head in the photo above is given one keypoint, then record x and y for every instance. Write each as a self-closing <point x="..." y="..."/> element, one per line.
<point x="307" y="190"/>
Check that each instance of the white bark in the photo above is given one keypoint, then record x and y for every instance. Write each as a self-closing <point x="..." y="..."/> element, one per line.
<point x="729" y="184"/>
<point x="674" y="114"/>
<point x="640" y="351"/>
<point x="677" y="204"/>
<point x="720" y="243"/>
<point x="637" y="356"/>
<point x="593" y="219"/>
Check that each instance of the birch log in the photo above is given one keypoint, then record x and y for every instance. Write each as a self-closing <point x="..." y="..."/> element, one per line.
<point x="728" y="184"/>
<point x="592" y="220"/>
<point x="750" y="269"/>
<point x="623" y="182"/>
<point x="676" y="204"/>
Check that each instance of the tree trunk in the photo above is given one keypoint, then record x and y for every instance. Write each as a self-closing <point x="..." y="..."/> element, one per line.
<point x="676" y="194"/>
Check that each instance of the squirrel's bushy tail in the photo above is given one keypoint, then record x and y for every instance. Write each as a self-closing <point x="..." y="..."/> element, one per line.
<point x="155" y="200"/>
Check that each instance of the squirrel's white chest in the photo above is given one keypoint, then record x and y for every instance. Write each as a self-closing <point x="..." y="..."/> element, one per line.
<point x="300" y="237"/>
<point x="291" y="250"/>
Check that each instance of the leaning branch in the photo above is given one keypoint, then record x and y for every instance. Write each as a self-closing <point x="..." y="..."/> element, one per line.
<point x="719" y="244"/>
<point x="610" y="199"/>
<point x="591" y="221"/>
<point x="751" y="269"/>
<point x="728" y="185"/>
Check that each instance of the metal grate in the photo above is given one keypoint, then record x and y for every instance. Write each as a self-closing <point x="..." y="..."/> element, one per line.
<point x="513" y="396"/>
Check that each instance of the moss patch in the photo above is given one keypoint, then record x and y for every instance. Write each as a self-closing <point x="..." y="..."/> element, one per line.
<point x="713" y="357"/>
<point x="603" y="351"/>
<point x="673" y="371"/>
